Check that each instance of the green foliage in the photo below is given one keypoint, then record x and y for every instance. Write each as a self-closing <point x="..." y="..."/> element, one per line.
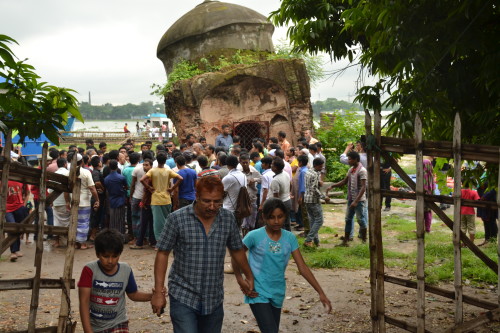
<point x="433" y="58"/>
<point x="187" y="69"/>
<point x="347" y="128"/>
<point x="109" y="111"/>
<point x="27" y="105"/>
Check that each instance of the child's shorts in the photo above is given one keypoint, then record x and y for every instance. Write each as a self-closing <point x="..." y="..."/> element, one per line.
<point x="120" y="328"/>
<point x="468" y="223"/>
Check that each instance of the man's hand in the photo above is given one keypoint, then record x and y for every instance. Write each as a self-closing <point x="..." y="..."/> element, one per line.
<point x="246" y="287"/>
<point x="354" y="204"/>
<point x="158" y="302"/>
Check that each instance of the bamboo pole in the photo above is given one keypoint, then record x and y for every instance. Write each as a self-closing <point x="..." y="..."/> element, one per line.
<point x="498" y="235"/>
<point x="371" y="230"/>
<point x="484" y="318"/>
<point x="420" y="227"/>
<point x="403" y="324"/>
<point x="5" y="182"/>
<point x="35" y="294"/>
<point x="377" y="202"/>
<point x="75" y="184"/>
<point x="457" y="194"/>
<point x="441" y="292"/>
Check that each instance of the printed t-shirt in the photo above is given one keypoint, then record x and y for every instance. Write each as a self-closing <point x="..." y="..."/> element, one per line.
<point x="268" y="260"/>
<point x="160" y="177"/>
<point x="14" y="196"/>
<point x="107" y="294"/>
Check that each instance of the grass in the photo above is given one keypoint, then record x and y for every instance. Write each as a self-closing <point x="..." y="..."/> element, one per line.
<point x="402" y="205"/>
<point x="439" y="260"/>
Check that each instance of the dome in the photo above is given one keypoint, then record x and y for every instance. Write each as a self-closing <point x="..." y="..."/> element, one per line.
<point x="215" y="25"/>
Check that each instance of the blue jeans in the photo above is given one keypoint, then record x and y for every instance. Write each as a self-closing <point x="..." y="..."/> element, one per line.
<point x="361" y="212"/>
<point x="267" y="316"/>
<point x="189" y="320"/>
<point x="316" y="221"/>
<point x="17" y="216"/>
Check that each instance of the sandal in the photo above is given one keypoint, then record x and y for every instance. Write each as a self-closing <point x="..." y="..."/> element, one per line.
<point x="13" y="257"/>
<point x="86" y="246"/>
<point x="136" y="247"/>
<point x="309" y="244"/>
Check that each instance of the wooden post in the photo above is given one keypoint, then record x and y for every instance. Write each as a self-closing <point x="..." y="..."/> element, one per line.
<point x="377" y="221"/>
<point x="35" y="294"/>
<point x="5" y="181"/>
<point x="75" y="184"/>
<point x="420" y="227"/>
<point x="498" y="235"/>
<point x="371" y="229"/>
<point x="457" y="134"/>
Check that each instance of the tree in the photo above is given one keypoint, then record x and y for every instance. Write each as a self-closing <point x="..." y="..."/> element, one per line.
<point x="434" y="58"/>
<point x="27" y="105"/>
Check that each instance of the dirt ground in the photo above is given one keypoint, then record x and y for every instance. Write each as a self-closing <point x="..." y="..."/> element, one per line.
<point x="349" y="291"/>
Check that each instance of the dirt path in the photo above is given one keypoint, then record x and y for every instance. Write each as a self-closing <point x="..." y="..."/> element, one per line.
<point x="349" y="291"/>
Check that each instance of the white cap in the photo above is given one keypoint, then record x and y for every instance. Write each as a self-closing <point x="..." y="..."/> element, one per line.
<point x="78" y="157"/>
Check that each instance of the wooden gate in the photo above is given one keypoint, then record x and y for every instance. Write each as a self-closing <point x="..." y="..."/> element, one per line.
<point x="379" y="146"/>
<point x="59" y="184"/>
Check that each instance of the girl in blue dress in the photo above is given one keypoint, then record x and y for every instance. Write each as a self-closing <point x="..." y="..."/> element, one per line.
<point x="269" y="249"/>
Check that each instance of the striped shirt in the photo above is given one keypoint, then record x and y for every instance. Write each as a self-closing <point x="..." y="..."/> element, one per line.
<point x="197" y="274"/>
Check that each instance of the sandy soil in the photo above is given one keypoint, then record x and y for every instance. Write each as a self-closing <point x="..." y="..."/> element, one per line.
<point x="349" y="291"/>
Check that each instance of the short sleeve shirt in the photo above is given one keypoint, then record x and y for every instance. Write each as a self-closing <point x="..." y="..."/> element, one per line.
<point x="87" y="181"/>
<point x="197" y="274"/>
<point x="470" y="195"/>
<point x="60" y="201"/>
<point x="160" y="177"/>
<point x="355" y="186"/>
<point x="187" y="187"/>
<point x="139" y="188"/>
<point x="280" y="185"/>
<point x="268" y="260"/>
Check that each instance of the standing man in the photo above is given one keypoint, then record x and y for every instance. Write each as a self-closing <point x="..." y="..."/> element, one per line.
<point x="61" y="205"/>
<point x="161" y="202"/>
<point x="312" y="198"/>
<point x="198" y="235"/>
<point x="224" y="139"/>
<point x="133" y="222"/>
<point x="285" y="145"/>
<point x="16" y="211"/>
<point x="308" y="135"/>
<point x="253" y="179"/>
<point x="267" y="178"/>
<point x="280" y="187"/>
<point x="234" y="180"/>
<point x="356" y="198"/>
<point x="116" y="187"/>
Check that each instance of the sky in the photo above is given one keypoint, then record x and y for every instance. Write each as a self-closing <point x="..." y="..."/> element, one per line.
<point x="108" y="47"/>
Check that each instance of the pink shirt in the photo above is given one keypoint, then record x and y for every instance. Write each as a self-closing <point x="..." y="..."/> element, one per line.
<point x="470" y="195"/>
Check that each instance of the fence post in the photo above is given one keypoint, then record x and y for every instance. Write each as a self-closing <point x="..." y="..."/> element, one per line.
<point x="457" y="194"/>
<point x="498" y="235"/>
<point x="5" y="181"/>
<point x="371" y="228"/>
<point x="420" y="227"/>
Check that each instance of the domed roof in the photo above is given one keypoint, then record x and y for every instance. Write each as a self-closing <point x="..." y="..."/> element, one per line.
<point x="208" y="16"/>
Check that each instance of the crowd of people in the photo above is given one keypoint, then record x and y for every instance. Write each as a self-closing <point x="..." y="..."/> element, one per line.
<point x="187" y="199"/>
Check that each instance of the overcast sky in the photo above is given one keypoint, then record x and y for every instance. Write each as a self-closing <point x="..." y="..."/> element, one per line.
<point x="108" y="47"/>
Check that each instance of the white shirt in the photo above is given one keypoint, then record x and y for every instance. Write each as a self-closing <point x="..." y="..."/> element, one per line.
<point x="87" y="181"/>
<point x="267" y="178"/>
<point x="139" y="188"/>
<point x="60" y="201"/>
<point x="232" y="184"/>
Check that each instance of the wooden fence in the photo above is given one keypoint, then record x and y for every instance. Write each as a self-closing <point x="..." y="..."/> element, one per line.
<point x="379" y="146"/>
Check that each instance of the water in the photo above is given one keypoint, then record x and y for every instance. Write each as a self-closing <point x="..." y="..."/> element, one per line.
<point x="105" y="125"/>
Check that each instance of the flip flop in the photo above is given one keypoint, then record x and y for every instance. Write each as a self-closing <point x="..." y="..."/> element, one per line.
<point x="86" y="246"/>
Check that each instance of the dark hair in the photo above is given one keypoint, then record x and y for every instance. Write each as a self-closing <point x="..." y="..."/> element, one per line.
<point x="219" y="149"/>
<point x="274" y="146"/>
<point x="108" y="240"/>
<point x="209" y="183"/>
<point x="202" y="138"/>
<point x="273" y="139"/>
<point x="105" y="158"/>
<point x="188" y="156"/>
<point x="103" y="144"/>
<point x="279" y="164"/>
<point x="222" y="160"/>
<point x="94" y="161"/>
<point x="282" y="134"/>
<point x="54" y="154"/>
<point x="259" y="147"/>
<point x="89" y="142"/>
<point x="134" y="158"/>
<point x="313" y="147"/>
<point x="271" y="204"/>
<point x="182" y="146"/>
<point x="85" y="159"/>
<point x="81" y="151"/>
<point x="189" y="136"/>
<point x="244" y="157"/>
<point x="148" y="160"/>
<point x="279" y="153"/>
<point x="267" y="160"/>
<point x="149" y="142"/>
<point x="180" y="160"/>
<point x="144" y="145"/>
<point x="303" y="160"/>
<point x="202" y="161"/>
<point x="161" y="158"/>
<point x="225" y="126"/>
<point x="113" y="165"/>
<point x="113" y="155"/>
<point x="318" y="144"/>
<point x="318" y="161"/>
<point x="61" y="162"/>
<point x="236" y="138"/>
<point x="236" y="150"/>
<point x="160" y="147"/>
<point x="148" y="154"/>
<point x="353" y="155"/>
<point x="175" y="153"/>
<point x="62" y="152"/>
<point x="254" y="155"/>
<point x="211" y="147"/>
<point x="232" y="161"/>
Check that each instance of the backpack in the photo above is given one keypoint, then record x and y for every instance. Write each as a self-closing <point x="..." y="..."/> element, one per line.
<point x="243" y="207"/>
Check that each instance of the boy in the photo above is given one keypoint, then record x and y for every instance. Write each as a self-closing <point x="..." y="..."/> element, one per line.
<point x="468" y="214"/>
<point x="103" y="284"/>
